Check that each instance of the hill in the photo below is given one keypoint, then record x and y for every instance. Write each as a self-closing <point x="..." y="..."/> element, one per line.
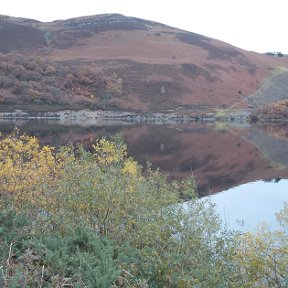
<point x="115" y="62"/>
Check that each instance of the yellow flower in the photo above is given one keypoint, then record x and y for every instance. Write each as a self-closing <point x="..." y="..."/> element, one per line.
<point x="130" y="167"/>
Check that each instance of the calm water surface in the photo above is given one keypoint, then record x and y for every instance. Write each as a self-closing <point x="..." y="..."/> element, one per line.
<point x="249" y="205"/>
<point x="233" y="160"/>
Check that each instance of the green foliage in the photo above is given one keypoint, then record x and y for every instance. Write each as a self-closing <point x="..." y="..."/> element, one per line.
<point x="13" y="230"/>
<point x="282" y="216"/>
<point x="182" y="247"/>
<point x="54" y="258"/>
<point x="84" y="218"/>
<point x="79" y="255"/>
<point x="262" y="258"/>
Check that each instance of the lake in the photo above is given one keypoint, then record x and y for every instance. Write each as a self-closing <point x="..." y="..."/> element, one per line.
<point x="242" y="166"/>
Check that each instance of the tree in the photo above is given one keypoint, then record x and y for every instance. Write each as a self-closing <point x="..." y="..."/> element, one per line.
<point x="279" y="54"/>
<point x="262" y="257"/>
<point x="157" y="237"/>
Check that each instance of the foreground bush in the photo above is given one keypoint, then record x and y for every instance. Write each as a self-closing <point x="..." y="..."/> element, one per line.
<point x="53" y="259"/>
<point x="94" y="220"/>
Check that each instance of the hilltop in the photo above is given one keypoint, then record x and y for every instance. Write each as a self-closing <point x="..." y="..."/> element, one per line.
<point x="115" y="62"/>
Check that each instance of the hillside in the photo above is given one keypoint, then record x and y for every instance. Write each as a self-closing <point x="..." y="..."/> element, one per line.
<point x="116" y="62"/>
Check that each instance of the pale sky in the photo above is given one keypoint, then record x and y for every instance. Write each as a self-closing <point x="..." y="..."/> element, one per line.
<point x="255" y="25"/>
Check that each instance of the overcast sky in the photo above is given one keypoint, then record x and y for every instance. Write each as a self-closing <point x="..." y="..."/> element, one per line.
<point x="256" y="25"/>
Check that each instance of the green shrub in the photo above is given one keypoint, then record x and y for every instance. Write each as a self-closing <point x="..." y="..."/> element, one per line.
<point x="74" y="256"/>
<point x="84" y="218"/>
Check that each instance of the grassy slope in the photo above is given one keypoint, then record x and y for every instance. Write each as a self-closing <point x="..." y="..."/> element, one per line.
<point x="140" y="57"/>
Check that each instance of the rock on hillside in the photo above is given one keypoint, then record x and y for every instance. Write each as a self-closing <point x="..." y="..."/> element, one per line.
<point x="112" y="61"/>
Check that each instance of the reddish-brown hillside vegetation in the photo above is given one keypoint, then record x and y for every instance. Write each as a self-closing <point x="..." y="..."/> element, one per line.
<point x="115" y="62"/>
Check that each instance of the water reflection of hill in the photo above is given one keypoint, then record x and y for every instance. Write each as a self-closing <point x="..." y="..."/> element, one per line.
<point x="218" y="158"/>
<point x="273" y="142"/>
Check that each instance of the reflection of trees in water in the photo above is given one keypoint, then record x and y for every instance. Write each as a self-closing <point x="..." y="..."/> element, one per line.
<point x="276" y="130"/>
<point x="57" y="135"/>
<point x="273" y="180"/>
<point x="213" y="182"/>
<point x="218" y="159"/>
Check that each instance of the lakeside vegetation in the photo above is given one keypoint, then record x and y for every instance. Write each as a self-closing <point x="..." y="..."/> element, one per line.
<point x="49" y="85"/>
<point x="77" y="218"/>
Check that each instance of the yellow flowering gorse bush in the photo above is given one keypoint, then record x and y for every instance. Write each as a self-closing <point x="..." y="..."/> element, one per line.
<point x="24" y="168"/>
<point x="107" y="152"/>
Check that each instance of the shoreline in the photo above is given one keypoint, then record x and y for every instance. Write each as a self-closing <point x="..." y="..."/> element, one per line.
<point x="90" y="115"/>
<point x="96" y="116"/>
